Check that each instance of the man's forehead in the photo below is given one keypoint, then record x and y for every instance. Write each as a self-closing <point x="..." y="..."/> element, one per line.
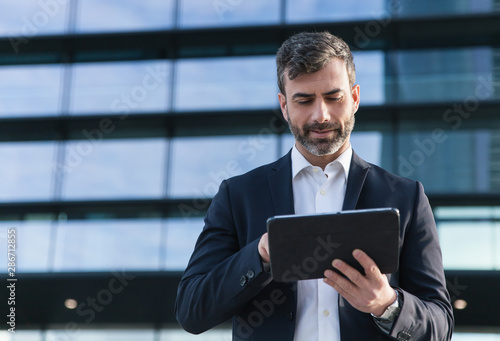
<point x="333" y="75"/>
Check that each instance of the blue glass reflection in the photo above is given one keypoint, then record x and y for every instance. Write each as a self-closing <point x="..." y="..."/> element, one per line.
<point x="199" y="164"/>
<point x="195" y="13"/>
<point x="124" y="15"/>
<point x="226" y="83"/>
<point x="118" y="169"/>
<point x="27" y="171"/>
<point x="33" y="239"/>
<point x="28" y="18"/>
<point x="105" y="245"/>
<point x="327" y="10"/>
<point x="120" y="87"/>
<point x="30" y="90"/>
<point x="180" y="237"/>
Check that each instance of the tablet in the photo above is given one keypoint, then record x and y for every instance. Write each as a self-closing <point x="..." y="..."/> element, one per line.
<point x="304" y="246"/>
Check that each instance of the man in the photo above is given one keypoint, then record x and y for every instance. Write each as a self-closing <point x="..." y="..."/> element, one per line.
<point x="228" y="273"/>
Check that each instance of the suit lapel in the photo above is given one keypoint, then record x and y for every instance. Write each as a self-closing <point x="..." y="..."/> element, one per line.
<point x="357" y="175"/>
<point x="280" y="185"/>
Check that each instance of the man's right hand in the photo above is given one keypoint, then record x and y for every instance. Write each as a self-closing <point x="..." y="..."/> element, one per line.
<point x="264" y="248"/>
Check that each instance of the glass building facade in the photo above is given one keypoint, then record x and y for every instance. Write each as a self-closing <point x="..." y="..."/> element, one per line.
<point x="120" y="118"/>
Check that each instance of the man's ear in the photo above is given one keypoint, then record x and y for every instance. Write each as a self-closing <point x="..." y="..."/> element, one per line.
<point x="355" y="97"/>
<point x="282" y="99"/>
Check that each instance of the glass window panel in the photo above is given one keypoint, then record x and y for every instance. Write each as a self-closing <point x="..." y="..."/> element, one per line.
<point x="81" y="334"/>
<point x="468" y="245"/>
<point x="114" y="169"/>
<point x="124" y="15"/>
<point x="181" y="235"/>
<point x="467" y="212"/>
<point x="105" y="245"/>
<point x="370" y="75"/>
<point x="195" y="13"/>
<point x="21" y="335"/>
<point x="32" y="245"/>
<point x="29" y="18"/>
<point x="201" y="163"/>
<point x="327" y="10"/>
<point x="443" y="75"/>
<point x="30" y="90"/>
<point x="226" y="83"/>
<point x="444" y="7"/>
<point x="287" y="143"/>
<point x="120" y="87"/>
<point x="368" y="145"/>
<point x="26" y="170"/>
<point x="209" y="335"/>
<point x="448" y="161"/>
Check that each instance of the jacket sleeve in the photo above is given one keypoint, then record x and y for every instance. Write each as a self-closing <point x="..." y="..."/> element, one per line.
<point x="426" y="313"/>
<point x="221" y="276"/>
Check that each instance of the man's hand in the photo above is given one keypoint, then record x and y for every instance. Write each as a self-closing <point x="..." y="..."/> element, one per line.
<point x="264" y="248"/>
<point x="370" y="294"/>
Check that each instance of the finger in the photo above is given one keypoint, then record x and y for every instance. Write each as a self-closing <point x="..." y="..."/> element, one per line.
<point x="344" y="287"/>
<point x="370" y="267"/>
<point x="354" y="275"/>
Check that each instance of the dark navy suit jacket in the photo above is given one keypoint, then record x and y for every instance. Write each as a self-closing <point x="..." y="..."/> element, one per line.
<point x="225" y="278"/>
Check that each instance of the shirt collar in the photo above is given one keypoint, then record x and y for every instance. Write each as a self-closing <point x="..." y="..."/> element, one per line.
<point x="299" y="162"/>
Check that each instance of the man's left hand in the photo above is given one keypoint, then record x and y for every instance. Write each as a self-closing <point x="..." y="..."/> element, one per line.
<point x="371" y="293"/>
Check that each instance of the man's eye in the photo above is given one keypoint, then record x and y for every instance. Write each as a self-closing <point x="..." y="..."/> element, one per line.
<point x="334" y="99"/>
<point x="304" y="102"/>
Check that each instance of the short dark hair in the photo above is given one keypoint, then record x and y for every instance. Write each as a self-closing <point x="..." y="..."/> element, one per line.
<point x="308" y="52"/>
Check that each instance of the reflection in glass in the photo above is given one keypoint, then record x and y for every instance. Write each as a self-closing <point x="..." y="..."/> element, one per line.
<point x="181" y="235"/>
<point x="82" y="334"/>
<point x="226" y="83"/>
<point x="32" y="245"/>
<point x="424" y="8"/>
<point x="199" y="164"/>
<point x="120" y="87"/>
<point x="327" y="10"/>
<point x="106" y="245"/>
<point x="370" y="75"/>
<point x="30" y="90"/>
<point x="469" y="245"/>
<point x="28" y="18"/>
<point x="195" y="13"/>
<point x="440" y="75"/>
<point x="124" y="15"/>
<point x="119" y="169"/>
<point x="447" y="161"/>
<point x="26" y="170"/>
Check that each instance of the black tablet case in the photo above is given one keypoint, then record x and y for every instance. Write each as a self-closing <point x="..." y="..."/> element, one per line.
<point x="304" y="246"/>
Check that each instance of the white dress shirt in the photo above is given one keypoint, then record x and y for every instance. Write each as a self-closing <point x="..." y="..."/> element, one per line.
<point x="318" y="191"/>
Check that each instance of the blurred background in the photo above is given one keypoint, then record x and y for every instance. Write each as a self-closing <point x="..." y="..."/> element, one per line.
<point x="120" y="118"/>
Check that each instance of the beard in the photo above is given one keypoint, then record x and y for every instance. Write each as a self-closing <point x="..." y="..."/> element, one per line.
<point x="322" y="146"/>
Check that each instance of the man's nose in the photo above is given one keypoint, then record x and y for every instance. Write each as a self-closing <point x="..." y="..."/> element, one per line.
<point x="321" y="113"/>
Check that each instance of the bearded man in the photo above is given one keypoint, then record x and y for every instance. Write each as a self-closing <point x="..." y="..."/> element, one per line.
<point x="228" y="274"/>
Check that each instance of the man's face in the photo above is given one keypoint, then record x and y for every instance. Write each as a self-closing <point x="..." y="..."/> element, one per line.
<point x="319" y="109"/>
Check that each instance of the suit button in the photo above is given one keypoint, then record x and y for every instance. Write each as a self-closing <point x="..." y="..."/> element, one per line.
<point x="404" y="336"/>
<point x="250" y="274"/>
<point x="243" y="280"/>
<point x="290" y="316"/>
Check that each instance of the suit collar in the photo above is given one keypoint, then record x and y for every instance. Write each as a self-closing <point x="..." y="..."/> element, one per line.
<point x="280" y="184"/>
<point x="357" y="175"/>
